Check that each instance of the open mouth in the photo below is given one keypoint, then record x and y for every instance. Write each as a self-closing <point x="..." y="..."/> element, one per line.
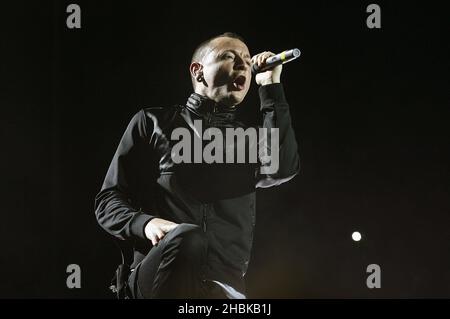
<point x="239" y="82"/>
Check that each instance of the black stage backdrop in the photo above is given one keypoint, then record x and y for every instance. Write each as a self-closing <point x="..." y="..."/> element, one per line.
<point x="369" y="106"/>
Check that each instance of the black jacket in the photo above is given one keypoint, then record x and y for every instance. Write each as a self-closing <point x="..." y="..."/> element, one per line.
<point x="143" y="182"/>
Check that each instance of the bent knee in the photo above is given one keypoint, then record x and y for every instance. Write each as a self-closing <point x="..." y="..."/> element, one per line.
<point x="185" y="228"/>
<point x="191" y="239"/>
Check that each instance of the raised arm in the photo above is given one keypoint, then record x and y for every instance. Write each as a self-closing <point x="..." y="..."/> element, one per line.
<point x="276" y="115"/>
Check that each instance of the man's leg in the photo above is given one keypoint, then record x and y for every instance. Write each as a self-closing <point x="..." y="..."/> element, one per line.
<point x="174" y="267"/>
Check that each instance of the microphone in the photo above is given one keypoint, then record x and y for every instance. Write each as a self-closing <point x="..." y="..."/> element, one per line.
<point x="273" y="61"/>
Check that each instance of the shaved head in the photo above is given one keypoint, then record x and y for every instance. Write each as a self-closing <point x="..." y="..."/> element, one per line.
<point x="203" y="48"/>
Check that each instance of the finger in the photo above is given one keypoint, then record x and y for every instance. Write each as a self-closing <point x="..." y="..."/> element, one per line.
<point x="261" y="59"/>
<point x="255" y="58"/>
<point x="153" y="240"/>
<point x="167" y="228"/>
<point x="159" y="234"/>
<point x="265" y="56"/>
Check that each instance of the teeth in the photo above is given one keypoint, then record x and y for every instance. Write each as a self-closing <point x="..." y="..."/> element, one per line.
<point x="239" y="87"/>
<point x="237" y="84"/>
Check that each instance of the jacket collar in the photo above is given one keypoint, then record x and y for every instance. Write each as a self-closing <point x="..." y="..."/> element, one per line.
<point x="206" y="107"/>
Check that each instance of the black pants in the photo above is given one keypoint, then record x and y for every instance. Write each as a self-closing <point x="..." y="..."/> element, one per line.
<point x="175" y="268"/>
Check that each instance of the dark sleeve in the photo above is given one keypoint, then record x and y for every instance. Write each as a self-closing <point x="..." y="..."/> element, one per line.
<point x="276" y="114"/>
<point x="114" y="207"/>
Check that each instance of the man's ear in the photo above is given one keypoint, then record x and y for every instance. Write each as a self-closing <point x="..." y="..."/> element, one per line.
<point x="196" y="70"/>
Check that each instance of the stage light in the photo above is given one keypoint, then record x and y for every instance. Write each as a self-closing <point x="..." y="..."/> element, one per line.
<point x="356" y="236"/>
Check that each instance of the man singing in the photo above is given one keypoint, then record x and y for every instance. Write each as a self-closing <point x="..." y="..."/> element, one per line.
<point x="191" y="224"/>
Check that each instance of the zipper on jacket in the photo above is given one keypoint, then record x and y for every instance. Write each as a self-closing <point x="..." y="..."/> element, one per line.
<point x="211" y="113"/>
<point x="204" y="219"/>
<point x="209" y="118"/>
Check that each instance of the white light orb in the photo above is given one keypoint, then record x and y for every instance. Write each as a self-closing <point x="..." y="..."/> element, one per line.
<point x="356" y="236"/>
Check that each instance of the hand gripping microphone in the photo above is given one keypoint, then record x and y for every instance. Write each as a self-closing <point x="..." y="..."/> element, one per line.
<point x="273" y="61"/>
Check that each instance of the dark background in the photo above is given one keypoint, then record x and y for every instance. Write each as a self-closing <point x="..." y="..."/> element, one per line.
<point x="370" y="110"/>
